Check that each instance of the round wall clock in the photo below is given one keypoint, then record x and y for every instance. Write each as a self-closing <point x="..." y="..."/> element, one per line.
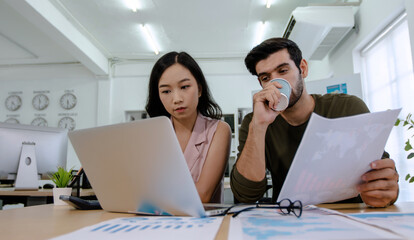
<point x="13" y="102"/>
<point x="12" y="120"/>
<point x="68" y="101"/>
<point x="39" y="121"/>
<point x="40" y="101"/>
<point x="68" y="123"/>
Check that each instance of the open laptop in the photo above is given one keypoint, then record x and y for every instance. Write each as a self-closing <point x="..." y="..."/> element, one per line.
<point x="138" y="167"/>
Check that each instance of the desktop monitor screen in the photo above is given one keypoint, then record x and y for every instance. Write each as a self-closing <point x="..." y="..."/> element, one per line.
<point x="50" y="145"/>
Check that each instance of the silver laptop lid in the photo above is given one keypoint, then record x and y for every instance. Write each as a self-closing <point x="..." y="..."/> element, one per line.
<point x="138" y="167"/>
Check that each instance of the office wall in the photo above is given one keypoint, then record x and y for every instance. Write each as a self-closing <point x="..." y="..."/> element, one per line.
<point x="342" y="63"/>
<point x="54" y="81"/>
<point x="231" y="85"/>
<point x="353" y="84"/>
<point x="373" y="16"/>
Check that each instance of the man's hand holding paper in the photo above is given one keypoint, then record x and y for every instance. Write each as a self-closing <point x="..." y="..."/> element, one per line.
<point x="379" y="187"/>
<point x="342" y="164"/>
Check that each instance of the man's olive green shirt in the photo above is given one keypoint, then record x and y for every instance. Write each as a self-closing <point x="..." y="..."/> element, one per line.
<point x="282" y="141"/>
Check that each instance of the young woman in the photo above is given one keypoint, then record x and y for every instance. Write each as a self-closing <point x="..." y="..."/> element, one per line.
<point x="178" y="89"/>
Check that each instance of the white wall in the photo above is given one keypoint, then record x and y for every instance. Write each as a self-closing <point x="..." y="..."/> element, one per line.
<point x="54" y="80"/>
<point x="372" y="17"/>
<point x="129" y="93"/>
<point x="230" y="85"/>
<point x="353" y="84"/>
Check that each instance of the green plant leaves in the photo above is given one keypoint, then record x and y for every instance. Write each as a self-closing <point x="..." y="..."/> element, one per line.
<point x="410" y="123"/>
<point x="408" y="146"/>
<point x="397" y="122"/>
<point x="62" y="177"/>
<point x="409" y="178"/>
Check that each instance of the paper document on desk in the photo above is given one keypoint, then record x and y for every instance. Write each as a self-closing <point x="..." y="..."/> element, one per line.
<point x="334" y="154"/>
<point x="149" y="228"/>
<point x="268" y="224"/>
<point x="401" y="223"/>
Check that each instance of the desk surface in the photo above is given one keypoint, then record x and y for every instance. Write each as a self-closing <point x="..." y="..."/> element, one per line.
<point x="46" y="221"/>
<point x="39" y="193"/>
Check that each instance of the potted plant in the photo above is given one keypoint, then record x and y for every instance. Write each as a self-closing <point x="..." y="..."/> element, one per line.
<point x="409" y="123"/>
<point x="61" y="178"/>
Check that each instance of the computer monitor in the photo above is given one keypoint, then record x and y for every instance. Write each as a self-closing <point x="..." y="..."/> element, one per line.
<point x="46" y="146"/>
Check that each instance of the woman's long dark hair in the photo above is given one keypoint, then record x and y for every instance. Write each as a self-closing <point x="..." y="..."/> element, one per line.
<point x="206" y="105"/>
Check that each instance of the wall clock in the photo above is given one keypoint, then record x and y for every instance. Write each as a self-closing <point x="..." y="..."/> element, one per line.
<point x="12" y="120"/>
<point x="13" y="102"/>
<point x="40" y="101"/>
<point x="39" y="121"/>
<point x="68" y="101"/>
<point x="68" y="123"/>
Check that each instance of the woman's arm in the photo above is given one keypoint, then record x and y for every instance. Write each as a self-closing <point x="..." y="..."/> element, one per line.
<point x="215" y="163"/>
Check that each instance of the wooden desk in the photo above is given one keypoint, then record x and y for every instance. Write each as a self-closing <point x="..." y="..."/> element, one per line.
<point x="30" y="198"/>
<point x="39" y="193"/>
<point x="362" y="208"/>
<point x="46" y="221"/>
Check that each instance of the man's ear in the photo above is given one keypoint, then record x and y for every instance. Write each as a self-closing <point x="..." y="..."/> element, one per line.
<point x="304" y="68"/>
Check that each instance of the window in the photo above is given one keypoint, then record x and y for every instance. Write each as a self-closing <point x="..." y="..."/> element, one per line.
<point x="388" y="83"/>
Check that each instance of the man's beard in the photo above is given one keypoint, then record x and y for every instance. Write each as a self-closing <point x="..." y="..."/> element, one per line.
<point x="297" y="92"/>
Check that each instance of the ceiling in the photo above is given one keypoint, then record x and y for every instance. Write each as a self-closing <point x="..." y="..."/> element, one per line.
<point x="95" y="31"/>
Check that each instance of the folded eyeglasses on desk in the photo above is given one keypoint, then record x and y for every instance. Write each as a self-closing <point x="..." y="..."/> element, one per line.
<point x="285" y="207"/>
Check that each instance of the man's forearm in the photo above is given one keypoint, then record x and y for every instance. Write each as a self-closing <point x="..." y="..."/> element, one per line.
<point x="251" y="163"/>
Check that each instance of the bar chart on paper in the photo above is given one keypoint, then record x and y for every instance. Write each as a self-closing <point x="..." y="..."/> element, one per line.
<point x="150" y="228"/>
<point x="402" y="223"/>
<point x="261" y="225"/>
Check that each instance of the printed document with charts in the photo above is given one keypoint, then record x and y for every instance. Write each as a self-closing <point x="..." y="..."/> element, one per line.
<point x="150" y="227"/>
<point x="334" y="154"/>
<point x="315" y="223"/>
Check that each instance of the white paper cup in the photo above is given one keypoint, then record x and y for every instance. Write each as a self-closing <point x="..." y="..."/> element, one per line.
<point x="284" y="94"/>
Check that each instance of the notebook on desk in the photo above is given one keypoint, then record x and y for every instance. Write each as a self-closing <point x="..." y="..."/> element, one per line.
<point x="138" y="167"/>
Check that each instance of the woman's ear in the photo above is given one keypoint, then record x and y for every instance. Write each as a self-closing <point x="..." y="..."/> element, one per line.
<point x="200" y="90"/>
